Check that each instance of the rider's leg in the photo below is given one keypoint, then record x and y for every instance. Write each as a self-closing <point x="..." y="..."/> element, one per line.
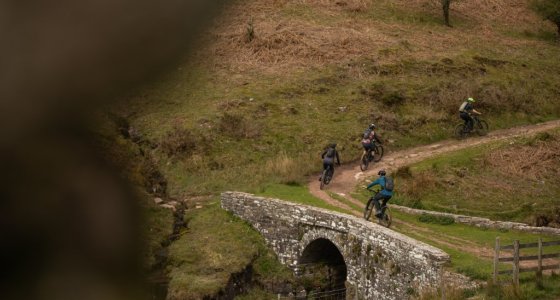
<point x="470" y="123"/>
<point x="466" y="118"/>
<point x="369" y="149"/>
<point x="327" y="164"/>
<point x="377" y="204"/>
<point x="384" y="204"/>
<point x="366" y="147"/>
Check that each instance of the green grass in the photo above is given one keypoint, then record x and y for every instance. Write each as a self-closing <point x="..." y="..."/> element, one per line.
<point x="456" y="159"/>
<point x="461" y="261"/>
<point x="157" y="227"/>
<point x="550" y="289"/>
<point x="263" y="133"/>
<point x="214" y="246"/>
<point x="296" y="116"/>
<point x="466" y="181"/>
<point x="341" y="199"/>
<point x="296" y="112"/>
<point x="297" y="194"/>
<point x="451" y="239"/>
<point x="448" y="237"/>
<point x="465" y="262"/>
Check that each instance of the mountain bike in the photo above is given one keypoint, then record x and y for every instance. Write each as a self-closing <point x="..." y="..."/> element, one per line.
<point x="480" y="127"/>
<point x="385" y="219"/>
<point x="326" y="177"/>
<point x="371" y="155"/>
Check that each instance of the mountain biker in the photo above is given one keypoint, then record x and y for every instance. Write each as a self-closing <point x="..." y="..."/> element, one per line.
<point x="466" y="110"/>
<point x="328" y="157"/>
<point x="385" y="194"/>
<point x="369" y="138"/>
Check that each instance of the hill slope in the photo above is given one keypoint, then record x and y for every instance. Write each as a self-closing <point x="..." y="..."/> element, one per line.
<point x="274" y="81"/>
<point x="319" y="71"/>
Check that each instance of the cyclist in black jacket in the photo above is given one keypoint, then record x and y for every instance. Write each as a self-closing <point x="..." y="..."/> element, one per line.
<point x="328" y="157"/>
<point x="466" y="110"/>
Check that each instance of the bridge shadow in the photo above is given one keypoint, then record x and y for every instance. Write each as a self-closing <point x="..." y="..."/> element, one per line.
<point x="322" y="266"/>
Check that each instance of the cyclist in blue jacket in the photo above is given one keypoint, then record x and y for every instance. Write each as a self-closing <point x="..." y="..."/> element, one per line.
<point x="385" y="194"/>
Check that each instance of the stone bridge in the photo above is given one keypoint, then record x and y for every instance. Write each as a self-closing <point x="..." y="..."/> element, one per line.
<point x="373" y="262"/>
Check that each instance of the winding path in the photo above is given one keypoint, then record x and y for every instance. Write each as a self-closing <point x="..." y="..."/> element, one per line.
<point x="348" y="176"/>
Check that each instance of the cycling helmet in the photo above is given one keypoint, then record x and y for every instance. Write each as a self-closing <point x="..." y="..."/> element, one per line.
<point x="381" y="172"/>
<point x="471" y="99"/>
<point x="371" y="126"/>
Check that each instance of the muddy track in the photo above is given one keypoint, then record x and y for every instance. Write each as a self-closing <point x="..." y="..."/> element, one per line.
<point x="347" y="176"/>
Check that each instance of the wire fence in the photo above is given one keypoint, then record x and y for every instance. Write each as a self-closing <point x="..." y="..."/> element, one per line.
<point x="339" y="294"/>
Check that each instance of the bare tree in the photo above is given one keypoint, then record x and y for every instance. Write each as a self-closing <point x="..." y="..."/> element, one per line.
<point x="446" y="4"/>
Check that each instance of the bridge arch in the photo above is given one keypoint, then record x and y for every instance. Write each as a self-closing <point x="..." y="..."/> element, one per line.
<point x="379" y="262"/>
<point x="322" y="258"/>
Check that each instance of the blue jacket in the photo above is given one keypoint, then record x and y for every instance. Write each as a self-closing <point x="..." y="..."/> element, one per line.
<point x="381" y="182"/>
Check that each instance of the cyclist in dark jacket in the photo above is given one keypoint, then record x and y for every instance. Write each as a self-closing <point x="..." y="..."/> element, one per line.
<point x="384" y="194"/>
<point x="466" y="110"/>
<point x="369" y="138"/>
<point x="328" y="157"/>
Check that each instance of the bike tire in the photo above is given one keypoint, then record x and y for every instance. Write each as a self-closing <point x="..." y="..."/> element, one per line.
<point x="378" y="153"/>
<point x="460" y="132"/>
<point x="482" y="128"/>
<point x="329" y="176"/>
<point x="323" y="180"/>
<point x="364" y="162"/>
<point x="386" y="220"/>
<point x="368" y="209"/>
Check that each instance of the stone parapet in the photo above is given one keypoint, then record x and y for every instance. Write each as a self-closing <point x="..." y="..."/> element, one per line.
<point x="480" y="222"/>
<point x="381" y="263"/>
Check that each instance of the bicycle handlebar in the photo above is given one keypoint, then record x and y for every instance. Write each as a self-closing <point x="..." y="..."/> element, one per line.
<point x="375" y="190"/>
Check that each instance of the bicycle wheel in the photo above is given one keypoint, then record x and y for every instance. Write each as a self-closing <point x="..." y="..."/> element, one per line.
<point x="460" y="132"/>
<point x="481" y="127"/>
<point x="378" y="153"/>
<point x="364" y="162"/>
<point x="387" y="219"/>
<point x="329" y="175"/>
<point x="368" y="209"/>
<point x="323" y="179"/>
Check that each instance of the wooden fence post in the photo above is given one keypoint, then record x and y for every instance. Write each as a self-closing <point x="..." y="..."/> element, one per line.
<point x="496" y="260"/>
<point x="539" y="266"/>
<point x="516" y="263"/>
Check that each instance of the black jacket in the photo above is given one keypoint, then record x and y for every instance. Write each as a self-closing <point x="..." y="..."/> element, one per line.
<point x="331" y="153"/>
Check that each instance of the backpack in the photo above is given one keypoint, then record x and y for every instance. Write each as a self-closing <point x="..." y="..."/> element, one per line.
<point x="462" y="107"/>
<point x="366" y="134"/>
<point x="389" y="184"/>
<point x="330" y="153"/>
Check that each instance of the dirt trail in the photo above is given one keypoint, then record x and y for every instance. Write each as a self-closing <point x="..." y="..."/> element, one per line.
<point x="347" y="176"/>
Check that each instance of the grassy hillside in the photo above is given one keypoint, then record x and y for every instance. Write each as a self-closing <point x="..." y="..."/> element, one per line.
<point x="243" y="113"/>
<point x="219" y="256"/>
<point x="514" y="180"/>
<point x="471" y="248"/>
<point x="274" y="81"/>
